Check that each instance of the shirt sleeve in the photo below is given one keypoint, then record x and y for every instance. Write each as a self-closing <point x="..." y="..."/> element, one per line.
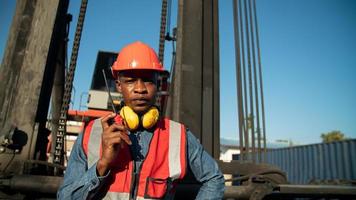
<point x="205" y="170"/>
<point x="79" y="182"/>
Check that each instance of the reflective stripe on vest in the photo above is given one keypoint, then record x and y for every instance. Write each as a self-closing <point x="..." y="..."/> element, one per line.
<point x="119" y="196"/>
<point x="116" y="196"/>
<point x="158" y="171"/>
<point x="94" y="143"/>
<point x="174" y="150"/>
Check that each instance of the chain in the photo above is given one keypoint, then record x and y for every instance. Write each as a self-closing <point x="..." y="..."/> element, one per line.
<point x="162" y="32"/>
<point x="61" y="132"/>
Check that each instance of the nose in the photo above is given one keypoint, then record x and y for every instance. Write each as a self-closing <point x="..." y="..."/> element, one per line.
<point x="140" y="86"/>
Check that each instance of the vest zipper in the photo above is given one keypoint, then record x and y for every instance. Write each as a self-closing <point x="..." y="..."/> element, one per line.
<point x="135" y="177"/>
<point x="133" y="181"/>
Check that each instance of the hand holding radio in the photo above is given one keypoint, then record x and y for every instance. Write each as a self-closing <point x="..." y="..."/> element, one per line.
<point x="114" y="137"/>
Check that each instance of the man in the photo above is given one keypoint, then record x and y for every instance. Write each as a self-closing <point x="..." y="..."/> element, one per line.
<point x="137" y="154"/>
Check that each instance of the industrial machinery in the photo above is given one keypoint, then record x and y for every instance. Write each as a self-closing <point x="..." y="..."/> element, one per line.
<point x="35" y="74"/>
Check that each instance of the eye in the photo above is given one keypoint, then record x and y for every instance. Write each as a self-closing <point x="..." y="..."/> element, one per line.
<point x="149" y="80"/>
<point x="129" y="80"/>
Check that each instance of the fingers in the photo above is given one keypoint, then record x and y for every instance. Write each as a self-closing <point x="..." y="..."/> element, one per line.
<point x="115" y="133"/>
<point x="105" y="120"/>
<point x="116" y="127"/>
<point x="116" y="137"/>
<point x="123" y="123"/>
<point x="120" y="140"/>
<point x="124" y="137"/>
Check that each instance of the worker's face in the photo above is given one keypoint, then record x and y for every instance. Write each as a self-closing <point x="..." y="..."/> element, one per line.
<point x="138" y="89"/>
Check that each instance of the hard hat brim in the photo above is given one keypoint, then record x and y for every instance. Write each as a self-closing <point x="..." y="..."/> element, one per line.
<point x="159" y="71"/>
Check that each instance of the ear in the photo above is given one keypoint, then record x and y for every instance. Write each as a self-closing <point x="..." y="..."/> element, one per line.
<point x="118" y="86"/>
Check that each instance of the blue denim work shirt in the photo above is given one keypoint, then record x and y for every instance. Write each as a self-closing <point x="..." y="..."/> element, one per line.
<point x="83" y="183"/>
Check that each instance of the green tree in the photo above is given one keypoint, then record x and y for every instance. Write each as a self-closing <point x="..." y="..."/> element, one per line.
<point x="332" y="136"/>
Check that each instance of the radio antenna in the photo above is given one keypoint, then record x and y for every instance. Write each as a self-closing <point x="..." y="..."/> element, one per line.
<point x="108" y="89"/>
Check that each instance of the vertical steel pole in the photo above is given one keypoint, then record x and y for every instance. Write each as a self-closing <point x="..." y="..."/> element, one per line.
<point x="255" y="82"/>
<point x="251" y="114"/>
<point x="244" y="71"/>
<point x="261" y="81"/>
<point x="238" y="78"/>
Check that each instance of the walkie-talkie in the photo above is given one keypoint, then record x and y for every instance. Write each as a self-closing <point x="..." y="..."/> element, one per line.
<point x="110" y="121"/>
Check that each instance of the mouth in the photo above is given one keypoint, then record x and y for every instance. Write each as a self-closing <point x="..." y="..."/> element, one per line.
<point x="140" y="101"/>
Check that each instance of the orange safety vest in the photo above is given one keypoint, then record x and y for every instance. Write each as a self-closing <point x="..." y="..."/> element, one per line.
<point x="165" y="162"/>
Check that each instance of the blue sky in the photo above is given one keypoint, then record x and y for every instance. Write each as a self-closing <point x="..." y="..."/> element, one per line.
<point x="308" y="50"/>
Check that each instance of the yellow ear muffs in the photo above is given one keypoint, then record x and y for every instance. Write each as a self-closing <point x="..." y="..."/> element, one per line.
<point x="148" y="120"/>
<point x="130" y="117"/>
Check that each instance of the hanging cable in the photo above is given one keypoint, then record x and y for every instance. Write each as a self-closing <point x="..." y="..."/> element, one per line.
<point x="261" y="83"/>
<point x="238" y="78"/>
<point x="66" y="40"/>
<point x="244" y="71"/>
<point x="10" y="161"/>
<point x="169" y="10"/>
<point x="251" y="114"/>
<point x="249" y="80"/>
<point x="255" y="83"/>
<point x="173" y="59"/>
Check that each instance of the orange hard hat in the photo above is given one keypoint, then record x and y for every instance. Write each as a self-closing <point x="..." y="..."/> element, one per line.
<point x="137" y="56"/>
